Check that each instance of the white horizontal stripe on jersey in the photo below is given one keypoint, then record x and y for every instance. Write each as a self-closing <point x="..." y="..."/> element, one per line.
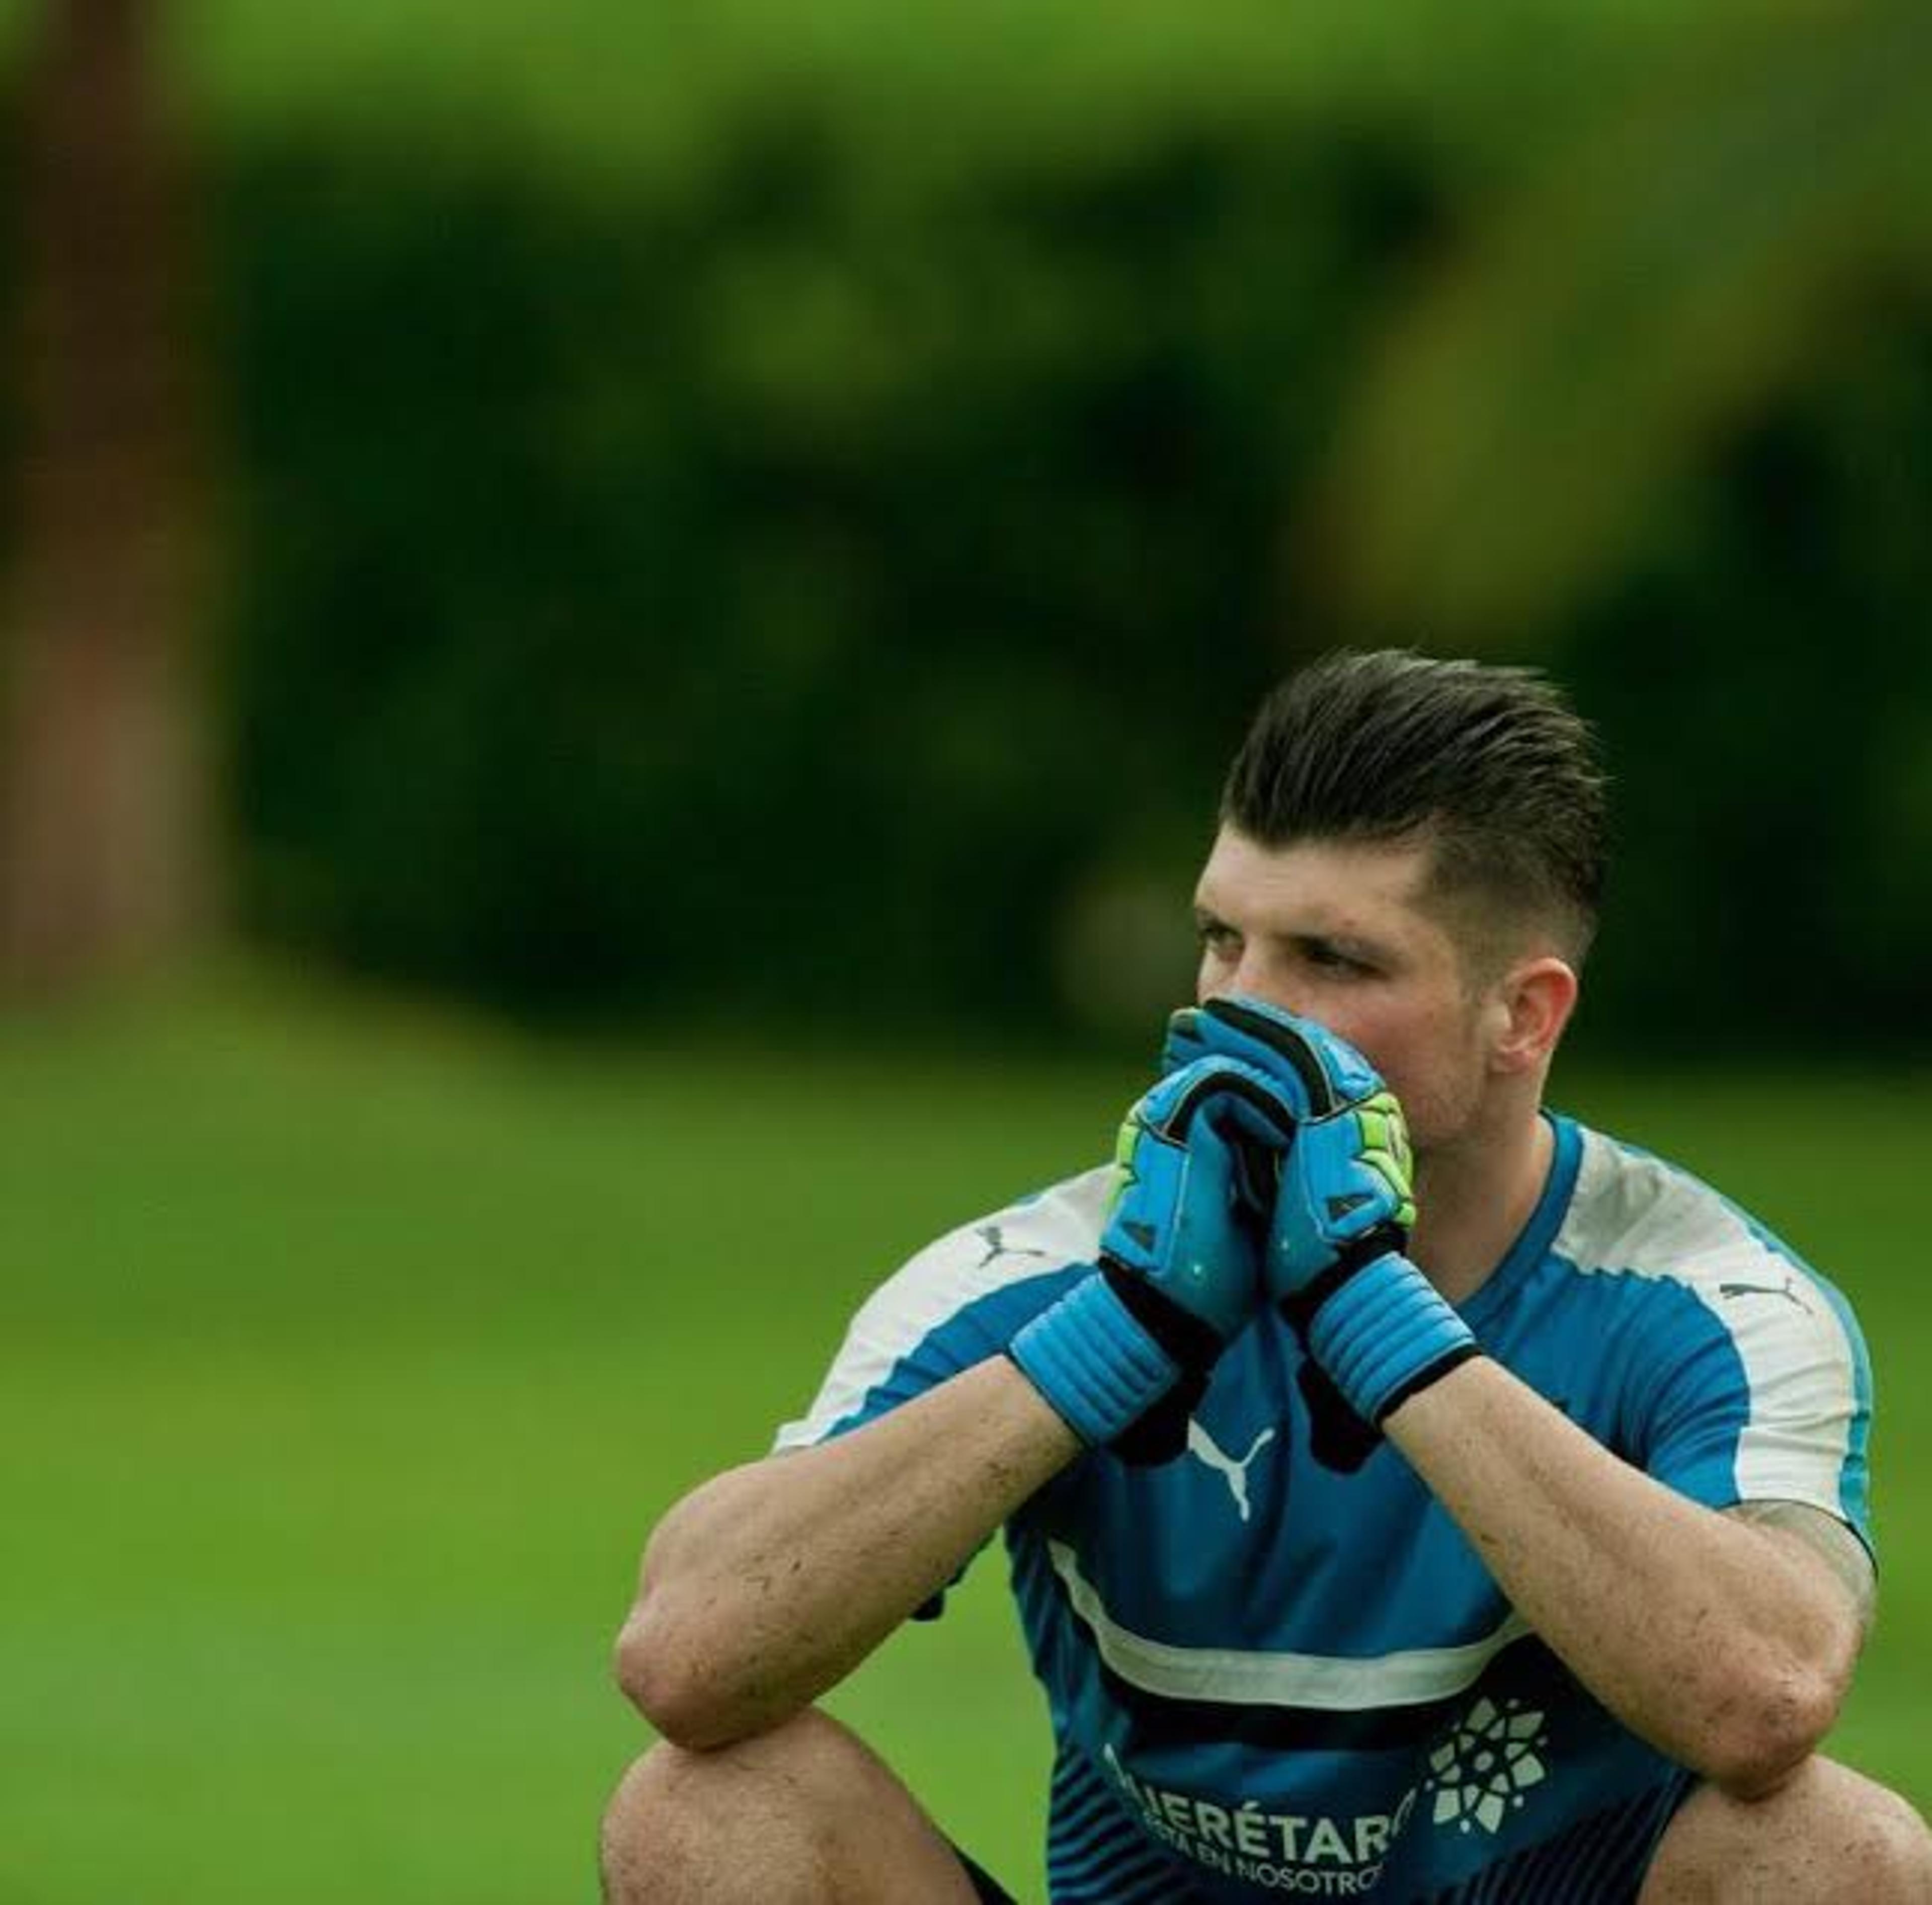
<point x="1334" y="1683"/>
<point x="1634" y="1215"/>
<point x="1060" y="1226"/>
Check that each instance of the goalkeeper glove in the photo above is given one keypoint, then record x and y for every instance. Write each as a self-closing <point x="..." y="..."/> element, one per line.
<point x="1335" y="1260"/>
<point x="1124" y="1354"/>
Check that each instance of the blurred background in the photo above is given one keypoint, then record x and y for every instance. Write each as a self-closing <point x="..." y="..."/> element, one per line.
<point x="619" y="640"/>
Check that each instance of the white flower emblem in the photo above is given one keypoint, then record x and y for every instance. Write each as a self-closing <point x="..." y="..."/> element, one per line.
<point x="1486" y="1765"/>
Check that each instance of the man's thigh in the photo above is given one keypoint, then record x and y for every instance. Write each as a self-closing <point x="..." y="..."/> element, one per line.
<point x="1828" y="1834"/>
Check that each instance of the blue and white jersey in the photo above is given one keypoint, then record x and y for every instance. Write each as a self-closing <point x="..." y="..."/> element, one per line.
<point x="1276" y="1665"/>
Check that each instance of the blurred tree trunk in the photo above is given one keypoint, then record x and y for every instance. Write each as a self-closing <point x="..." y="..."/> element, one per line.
<point x="106" y="828"/>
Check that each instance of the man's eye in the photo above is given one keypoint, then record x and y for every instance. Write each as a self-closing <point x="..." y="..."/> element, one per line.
<point x="1217" y="938"/>
<point x="1318" y="953"/>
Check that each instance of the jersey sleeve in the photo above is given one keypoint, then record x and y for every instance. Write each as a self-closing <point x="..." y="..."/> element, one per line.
<point x="958" y="1302"/>
<point x="1759" y="1388"/>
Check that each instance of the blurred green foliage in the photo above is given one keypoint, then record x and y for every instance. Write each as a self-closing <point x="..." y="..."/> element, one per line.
<point x="1746" y="217"/>
<point x="784" y="516"/>
<point x="350" y="1356"/>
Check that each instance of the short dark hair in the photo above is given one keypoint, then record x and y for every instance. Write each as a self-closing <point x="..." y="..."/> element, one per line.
<point x="1489" y="766"/>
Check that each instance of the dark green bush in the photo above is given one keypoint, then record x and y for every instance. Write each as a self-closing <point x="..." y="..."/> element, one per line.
<point x="756" y="602"/>
<point x="802" y="592"/>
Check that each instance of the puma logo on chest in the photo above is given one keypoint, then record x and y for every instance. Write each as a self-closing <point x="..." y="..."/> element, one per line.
<point x="1203" y="1448"/>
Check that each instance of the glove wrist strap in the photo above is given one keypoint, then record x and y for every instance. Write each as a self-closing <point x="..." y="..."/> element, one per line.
<point x="1192" y="1343"/>
<point x="1385" y="1332"/>
<point x="1100" y="1368"/>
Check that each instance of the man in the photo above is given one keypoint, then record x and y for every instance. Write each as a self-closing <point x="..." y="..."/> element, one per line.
<point x="1503" y="1543"/>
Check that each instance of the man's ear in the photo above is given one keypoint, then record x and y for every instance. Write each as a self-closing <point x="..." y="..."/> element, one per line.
<point x="1530" y="1007"/>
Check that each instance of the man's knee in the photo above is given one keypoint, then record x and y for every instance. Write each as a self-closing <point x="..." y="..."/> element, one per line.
<point x="1879" y="1849"/>
<point x="1901" y="1851"/>
<point x="803" y="1814"/>
<point x="1829" y="1834"/>
<point x="663" y="1813"/>
<point x="716" y="1826"/>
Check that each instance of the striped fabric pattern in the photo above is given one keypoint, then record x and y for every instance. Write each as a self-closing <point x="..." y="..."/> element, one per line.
<point x="1598" y="1860"/>
<point x="1096" y="1854"/>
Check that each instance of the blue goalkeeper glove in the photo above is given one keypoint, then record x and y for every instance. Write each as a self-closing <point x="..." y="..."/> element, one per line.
<point x="1124" y="1355"/>
<point x="1336" y="1260"/>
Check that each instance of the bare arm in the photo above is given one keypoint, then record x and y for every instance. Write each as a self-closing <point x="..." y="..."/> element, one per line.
<point x="1823" y="1538"/>
<point x="1726" y="1645"/>
<point x="771" y="1583"/>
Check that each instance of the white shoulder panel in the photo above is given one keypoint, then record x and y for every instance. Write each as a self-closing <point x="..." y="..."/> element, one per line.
<point x="1635" y="1215"/>
<point x="1045" y="1234"/>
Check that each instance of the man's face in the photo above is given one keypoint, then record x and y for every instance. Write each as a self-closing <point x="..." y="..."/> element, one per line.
<point x="1335" y="932"/>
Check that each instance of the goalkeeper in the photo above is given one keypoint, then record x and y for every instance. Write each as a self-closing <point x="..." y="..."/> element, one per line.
<point x="1488" y="1524"/>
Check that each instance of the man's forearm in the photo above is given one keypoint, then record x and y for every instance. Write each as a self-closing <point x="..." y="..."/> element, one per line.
<point x="1712" y="1640"/>
<point x="767" y="1585"/>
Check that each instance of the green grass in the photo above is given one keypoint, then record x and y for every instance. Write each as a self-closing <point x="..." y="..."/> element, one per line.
<point x="349" y="1355"/>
